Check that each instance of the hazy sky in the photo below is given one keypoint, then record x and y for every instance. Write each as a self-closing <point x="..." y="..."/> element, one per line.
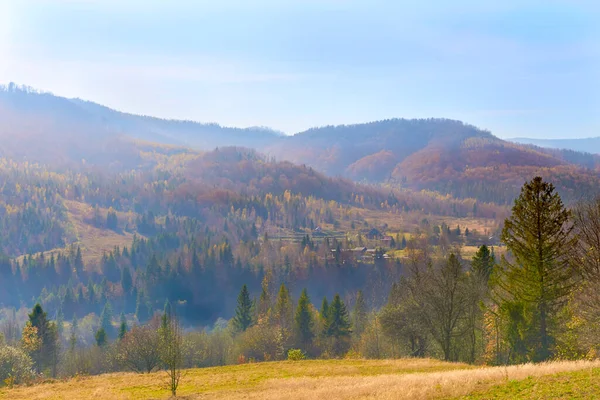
<point x="518" y="68"/>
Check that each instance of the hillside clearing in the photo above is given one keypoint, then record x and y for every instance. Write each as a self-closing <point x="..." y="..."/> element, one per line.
<point x="327" y="379"/>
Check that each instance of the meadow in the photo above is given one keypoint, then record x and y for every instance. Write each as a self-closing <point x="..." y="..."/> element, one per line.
<point x="336" y="379"/>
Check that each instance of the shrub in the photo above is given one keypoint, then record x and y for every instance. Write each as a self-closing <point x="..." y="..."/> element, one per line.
<point x="15" y="366"/>
<point x="296" y="355"/>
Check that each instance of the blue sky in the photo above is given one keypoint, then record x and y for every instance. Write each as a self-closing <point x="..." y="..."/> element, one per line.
<point x="517" y="68"/>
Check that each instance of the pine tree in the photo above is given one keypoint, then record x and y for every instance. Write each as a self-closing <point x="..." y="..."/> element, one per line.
<point x="243" y="312"/>
<point x="284" y="309"/>
<point x="264" y="301"/>
<point x="46" y="356"/>
<point x="123" y="329"/>
<point x="338" y="326"/>
<point x="100" y="337"/>
<point x="126" y="280"/>
<point x="483" y="263"/>
<point x="303" y="321"/>
<point x="73" y="335"/>
<point x="106" y="319"/>
<point x="539" y="237"/>
<point x="142" y="308"/>
<point x="78" y="262"/>
<point x="359" y="314"/>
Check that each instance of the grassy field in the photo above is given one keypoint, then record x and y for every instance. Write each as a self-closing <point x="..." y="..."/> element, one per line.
<point x="336" y="379"/>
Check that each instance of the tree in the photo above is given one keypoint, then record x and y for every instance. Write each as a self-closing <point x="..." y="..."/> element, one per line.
<point x="359" y="314"/>
<point x="264" y="301"/>
<point x="483" y="263"/>
<point x="106" y="319"/>
<point x="139" y="350"/>
<point x="111" y="219"/>
<point x="338" y="326"/>
<point x="539" y="236"/>
<point x="46" y="355"/>
<point x="100" y="337"/>
<point x="73" y="335"/>
<point x="126" y="280"/>
<point x="284" y="309"/>
<point x="123" y="327"/>
<point x="171" y="348"/>
<point x="303" y="321"/>
<point x="324" y="315"/>
<point x="78" y="262"/>
<point x="243" y="313"/>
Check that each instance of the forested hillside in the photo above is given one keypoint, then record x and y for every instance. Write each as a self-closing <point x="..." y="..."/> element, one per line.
<point x="338" y="241"/>
<point x="443" y="155"/>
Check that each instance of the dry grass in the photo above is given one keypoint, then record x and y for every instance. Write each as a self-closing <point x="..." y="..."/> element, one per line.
<point x="94" y="242"/>
<point x="331" y="380"/>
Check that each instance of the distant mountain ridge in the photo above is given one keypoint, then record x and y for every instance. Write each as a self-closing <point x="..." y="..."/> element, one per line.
<point x="586" y="145"/>
<point x="443" y="155"/>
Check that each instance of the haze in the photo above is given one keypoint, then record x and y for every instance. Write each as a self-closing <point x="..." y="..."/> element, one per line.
<point x="516" y="69"/>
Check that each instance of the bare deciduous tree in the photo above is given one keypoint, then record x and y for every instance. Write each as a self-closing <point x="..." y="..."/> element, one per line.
<point x="171" y="349"/>
<point x="139" y="350"/>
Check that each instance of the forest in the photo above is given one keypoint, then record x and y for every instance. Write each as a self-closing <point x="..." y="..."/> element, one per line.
<point x="120" y="254"/>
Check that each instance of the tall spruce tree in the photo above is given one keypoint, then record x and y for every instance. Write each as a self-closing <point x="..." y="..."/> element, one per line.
<point x="123" y="328"/>
<point x="106" y="319"/>
<point x="284" y="309"/>
<point x="338" y="326"/>
<point x="303" y="321"/>
<point x="539" y="237"/>
<point x="46" y="356"/>
<point x="483" y="263"/>
<point x="243" y="313"/>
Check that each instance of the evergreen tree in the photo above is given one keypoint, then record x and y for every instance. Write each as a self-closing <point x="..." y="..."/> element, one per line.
<point x="264" y="301"/>
<point x="284" y="309"/>
<point x="123" y="329"/>
<point x="539" y="237"/>
<point x="73" y="335"/>
<point x="46" y="356"/>
<point x="483" y="263"/>
<point x="126" y="280"/>
<point x="143" y="311"/>
<point x="106" y="319"/>
<point x="78" y="262"/>
<point x="338" y="326"/>
<point x="111" y="219"/>
<point x="359" y="314"/>
<point x="100" y="337"/>
<point x="243" y="312"/>
<point x="303" y="321"/>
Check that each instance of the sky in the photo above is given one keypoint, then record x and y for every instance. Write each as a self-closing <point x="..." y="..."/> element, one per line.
<point x="518" y="68"/>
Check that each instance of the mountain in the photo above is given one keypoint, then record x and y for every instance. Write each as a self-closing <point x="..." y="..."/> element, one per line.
<point x="43" y="127"/>
<point x="443" y="155"/>
<point x="586" y="145"/>
<point x="437" y="154"/>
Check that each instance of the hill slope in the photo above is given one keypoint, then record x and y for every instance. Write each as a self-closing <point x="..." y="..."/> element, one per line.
<point x="43" y="127"/>
<point x="437" y="154"/>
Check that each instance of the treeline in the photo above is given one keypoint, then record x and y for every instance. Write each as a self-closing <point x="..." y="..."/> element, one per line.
<point x="537" y="303"/>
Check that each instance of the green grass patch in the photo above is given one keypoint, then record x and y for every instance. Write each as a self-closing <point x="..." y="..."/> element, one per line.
<point x="583" y="384"/>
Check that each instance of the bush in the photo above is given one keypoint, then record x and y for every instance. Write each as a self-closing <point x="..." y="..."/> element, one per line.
<point x="15" y="366"/>
<point x="296" y="355"/>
